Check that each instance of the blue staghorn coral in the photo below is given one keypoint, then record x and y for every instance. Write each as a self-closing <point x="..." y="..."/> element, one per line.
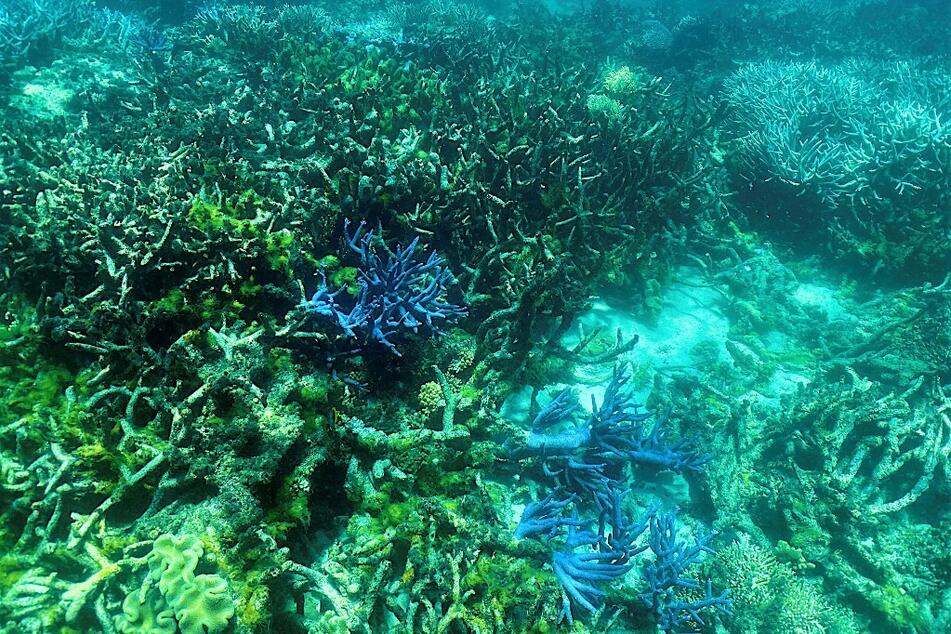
<point x="396" y="293"/>
<point x="586" y="458"/>
<point x="580" y="574"/>
<point x="588" y="462"/>
<point x="544" y="518"/>
<point x="665" y="577"/>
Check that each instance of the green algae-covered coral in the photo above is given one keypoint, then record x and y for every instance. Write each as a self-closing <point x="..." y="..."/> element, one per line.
<point x="194" y="603"/>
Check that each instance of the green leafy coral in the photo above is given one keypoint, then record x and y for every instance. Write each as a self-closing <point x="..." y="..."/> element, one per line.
<point x="172" y="595"/>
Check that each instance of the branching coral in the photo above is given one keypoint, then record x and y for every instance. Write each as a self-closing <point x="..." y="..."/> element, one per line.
<point x="544" y="518"/>
<point x="580" y="573"/>
<point x="585" y="458"/>
<point x="665" y="577"/>
<point x="395" y="294"/>
<point x="29" y="29"/>
<point x="860" y="455"/>
<point x="768" y="595"/>
<point x="591" y="461"/>
<point x="868" y="453"/>
<point x="866" y="144"/>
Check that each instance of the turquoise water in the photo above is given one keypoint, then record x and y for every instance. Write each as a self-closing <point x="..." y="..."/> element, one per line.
<point x="475" y="317"/>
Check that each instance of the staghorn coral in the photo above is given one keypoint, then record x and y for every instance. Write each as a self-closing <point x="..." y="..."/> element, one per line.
<point x="394" y="294"/>
<point x="865" y="144"/>
<point x="665" y="577"/>
<point x="578" y="573"/>
<point x="879" y="453"/>
<point x="30" y="30"/>
<point x="614" y="432"/>
<point x="589" y="462"/>
<point x="859" y="454"/>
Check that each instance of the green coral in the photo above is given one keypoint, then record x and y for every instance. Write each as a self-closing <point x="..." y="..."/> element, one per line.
<point x="605" y="108"/>
<point x="148" y="614"/>
<point x="752" y="574"/>
<point x="199" y="604"/>
<point x="621" y="81"/>
<point x="430" y="397"/>
<point x="237" y="216"/>
<point x="770" y="598"/>
<point x="902" y="609"/>
<point x="172" y="562"/>
<point x="278" y="249"/>
<point x="204" y="605"/>
<point x="801" y="611"/>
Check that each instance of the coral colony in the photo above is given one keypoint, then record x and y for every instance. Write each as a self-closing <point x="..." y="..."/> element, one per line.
<point x="591" y="460"/>
<point x="396" y="293"/>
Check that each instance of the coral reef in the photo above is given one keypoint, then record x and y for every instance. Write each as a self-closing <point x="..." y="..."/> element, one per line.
<point x="474" y="317"/>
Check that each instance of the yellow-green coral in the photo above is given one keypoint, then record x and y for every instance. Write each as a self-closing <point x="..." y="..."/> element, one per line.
<point x="205" y="605"/>
<point x="430" y="397"/>
<point x="278" y="249"/>
<point x="605" y="108"/>
<point x="194" y="604"/>
<point x="148" y="614"/>
<point x="172" y="562"/>
<point x="620" y="81"/>
<point x="902" y="610"/>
